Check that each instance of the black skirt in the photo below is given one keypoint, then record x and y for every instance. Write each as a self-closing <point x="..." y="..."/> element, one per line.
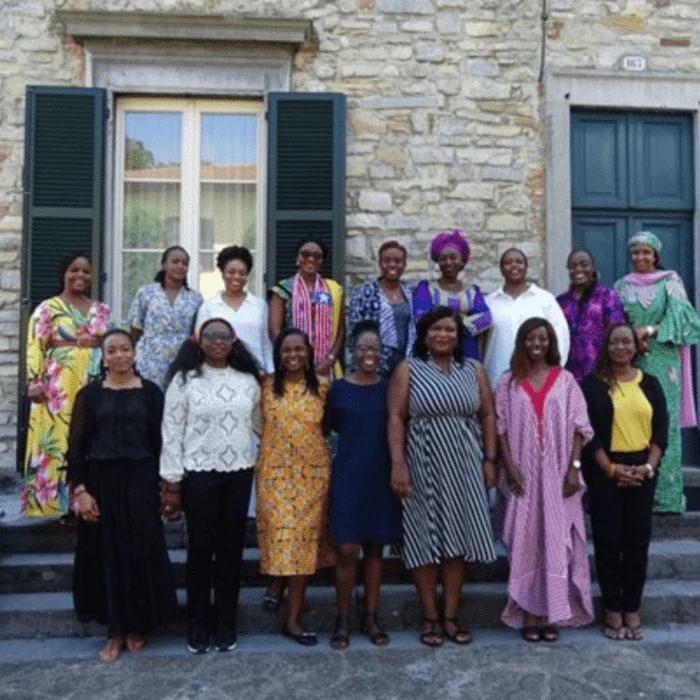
<point x="122" y="576"/>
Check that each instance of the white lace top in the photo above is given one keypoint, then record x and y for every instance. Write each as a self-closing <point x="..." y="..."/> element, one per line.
<point x="208" y="422"/>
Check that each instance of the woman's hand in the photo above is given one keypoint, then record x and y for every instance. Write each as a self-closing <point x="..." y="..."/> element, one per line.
<point x="626" y="476"/>
<point x="489" y="470"/>
<point x="87" y="508"/>
<point x="87" y="341"/>
<point x="170" y="502"/>
<point x="36" y="394"/>
<point x="516" y="481"/>
<point x="572" y="482"/>
<point x="642" y="335"/>
<point x="401" y="480"/>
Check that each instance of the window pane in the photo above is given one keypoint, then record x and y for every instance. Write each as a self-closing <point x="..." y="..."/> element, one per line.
<point x="228" y="190"/>
<point x="151" y="214"/>
<point x="138" y="268"/>
<point x="152" y="145"/>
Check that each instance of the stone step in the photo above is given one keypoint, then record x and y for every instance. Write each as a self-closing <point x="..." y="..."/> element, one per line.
<point x="52" y="572"/>
<point x="23" y="536"/>
<point x="32" y="615"/>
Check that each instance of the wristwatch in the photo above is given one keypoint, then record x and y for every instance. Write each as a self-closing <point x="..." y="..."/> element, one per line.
<point x="576" y="463"/>
<point x="650" y="470"/>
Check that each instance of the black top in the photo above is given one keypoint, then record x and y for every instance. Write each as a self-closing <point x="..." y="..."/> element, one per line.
<point x="600" y="412"/>
<point x="113" y="424"/>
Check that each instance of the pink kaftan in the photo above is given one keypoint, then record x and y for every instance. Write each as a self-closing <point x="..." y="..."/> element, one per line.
<point x="545" y="532"/>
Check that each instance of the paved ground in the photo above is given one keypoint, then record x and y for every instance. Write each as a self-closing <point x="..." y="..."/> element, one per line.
<point x="666" y="666"/>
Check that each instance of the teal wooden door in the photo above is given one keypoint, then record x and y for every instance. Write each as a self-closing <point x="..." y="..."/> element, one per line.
<point x="632" y="172"/>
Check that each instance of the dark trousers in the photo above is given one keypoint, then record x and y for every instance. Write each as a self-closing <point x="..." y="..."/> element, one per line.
<point x="216" y="505"/>
<point x="621" y="519"/>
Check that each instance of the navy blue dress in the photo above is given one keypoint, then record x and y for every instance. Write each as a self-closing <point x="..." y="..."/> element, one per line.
<point x="363" y="507"/>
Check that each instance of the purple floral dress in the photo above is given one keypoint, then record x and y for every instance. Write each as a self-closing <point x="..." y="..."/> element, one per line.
<point x="587" y="325"/>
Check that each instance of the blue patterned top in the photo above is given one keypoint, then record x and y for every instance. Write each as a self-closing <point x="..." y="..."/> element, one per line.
<point x="164" y="327"/>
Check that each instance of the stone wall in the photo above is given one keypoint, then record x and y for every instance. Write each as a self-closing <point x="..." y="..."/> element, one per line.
<point x="445" y="113"/>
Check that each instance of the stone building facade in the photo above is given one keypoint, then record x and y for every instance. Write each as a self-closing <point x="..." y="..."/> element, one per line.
<point x="458" y="110"/>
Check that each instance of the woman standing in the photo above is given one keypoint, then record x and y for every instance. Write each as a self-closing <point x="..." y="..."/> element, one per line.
<point x="590" y="309"/>
<point x="451" y="251"/>
<point x="388" y="302"/>
<point x="364" y="511"/>
<point x="293" y="474"/>
<point x="627" y="408"/>
<point x="246" y="312"/>
<point x="549" y="585"/>
<point x="442" y="436"/>
<point x="211" y="409"/>
<point x="314" y="305"/>
<point x="63" y="340"/>
<point x="515" y="302"/>
<point x="122" y="575"/>
<point x="666" y="324"/>
<point x="161" y="315"/>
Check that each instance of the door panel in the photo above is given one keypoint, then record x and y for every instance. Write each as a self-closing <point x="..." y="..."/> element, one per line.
<point x="661" y="163"/>
<point x="604" y="237"/>
<point x="598" y="160"/>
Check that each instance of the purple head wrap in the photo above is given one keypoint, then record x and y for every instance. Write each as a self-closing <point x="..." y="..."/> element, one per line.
<point x="453" y="239"/>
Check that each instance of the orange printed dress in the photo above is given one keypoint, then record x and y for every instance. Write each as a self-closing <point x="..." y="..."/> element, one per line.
<point x="293" y="478"/>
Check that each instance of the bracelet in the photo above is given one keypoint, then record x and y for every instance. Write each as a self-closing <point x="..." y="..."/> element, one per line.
<point x="650" y="470"/>
<point x="651" y="331"/>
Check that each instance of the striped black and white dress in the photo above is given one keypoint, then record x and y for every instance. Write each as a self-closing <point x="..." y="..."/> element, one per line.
<point x="447" y="515"/>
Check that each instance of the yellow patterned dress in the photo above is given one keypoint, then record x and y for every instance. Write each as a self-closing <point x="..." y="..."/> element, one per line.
<point x="293" y="478"/>
<point x="61" y="372"/>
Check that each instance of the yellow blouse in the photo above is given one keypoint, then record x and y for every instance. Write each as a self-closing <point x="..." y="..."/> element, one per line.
<point x="631" y="427"/>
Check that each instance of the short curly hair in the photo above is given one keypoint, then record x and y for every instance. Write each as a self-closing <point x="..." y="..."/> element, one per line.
<point x="234" y="252"/>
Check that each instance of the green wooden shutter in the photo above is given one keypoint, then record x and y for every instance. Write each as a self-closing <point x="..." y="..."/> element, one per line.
<point x="306" y="179"/>
<point x="63" y="197"/>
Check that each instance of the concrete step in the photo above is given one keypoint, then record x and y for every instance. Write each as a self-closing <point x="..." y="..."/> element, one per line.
<point x="53" y="572"/>
<point x="32" y="615"/>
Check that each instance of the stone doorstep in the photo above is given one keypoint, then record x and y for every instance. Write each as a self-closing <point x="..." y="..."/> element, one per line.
<point x="53" y="572"/>
<point x="31" y="615"/>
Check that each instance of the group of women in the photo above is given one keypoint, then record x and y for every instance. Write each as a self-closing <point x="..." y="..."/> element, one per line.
<point x="421" y="427"/>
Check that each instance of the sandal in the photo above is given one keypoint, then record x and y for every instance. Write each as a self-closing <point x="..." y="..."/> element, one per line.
<point x="341" y="634"/>
<point x="372" y="630"/>
<point x="431" y="635"/>
<point x="531" y="633"/>
<point x="614" y="632"/>
<point x="459" y="636"/>
<point x="549" y="633"/>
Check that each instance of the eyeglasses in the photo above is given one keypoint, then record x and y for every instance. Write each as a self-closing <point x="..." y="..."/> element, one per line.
<point x="312" y="254"/>
<point x="218" y="335"/>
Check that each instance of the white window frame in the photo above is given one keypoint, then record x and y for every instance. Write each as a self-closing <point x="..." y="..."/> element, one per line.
<point x="191" y="109"/>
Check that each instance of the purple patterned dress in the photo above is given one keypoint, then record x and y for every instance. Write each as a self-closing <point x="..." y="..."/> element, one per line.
<point x="587" y="325"/>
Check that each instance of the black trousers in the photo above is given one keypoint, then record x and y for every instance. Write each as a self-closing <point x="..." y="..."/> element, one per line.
<point x="216" y="505"/>
<point x="621" y="518"/>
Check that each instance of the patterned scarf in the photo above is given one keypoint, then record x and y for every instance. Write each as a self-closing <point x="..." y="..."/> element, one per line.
<point x="314" y="314"/>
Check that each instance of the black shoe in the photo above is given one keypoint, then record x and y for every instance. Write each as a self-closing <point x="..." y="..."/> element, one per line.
<point x="226" y="641"/>
<point x="306" y="639"/>
<point x="198" y="641"/>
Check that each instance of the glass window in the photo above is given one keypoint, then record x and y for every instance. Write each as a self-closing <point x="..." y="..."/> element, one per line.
<point x="188" y="174"/>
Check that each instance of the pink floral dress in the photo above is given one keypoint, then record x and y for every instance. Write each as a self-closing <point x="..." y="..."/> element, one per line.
<point x="61" y="372"/>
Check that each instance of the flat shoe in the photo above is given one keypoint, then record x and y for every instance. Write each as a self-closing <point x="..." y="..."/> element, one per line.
<point x="549" y="633"/>
<point x="432" y="629"/>
<point x="612" y="632"/>
<point x="306" y="639"/>
<point x="460" y="635"/>
<point x="531" y="633"/>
